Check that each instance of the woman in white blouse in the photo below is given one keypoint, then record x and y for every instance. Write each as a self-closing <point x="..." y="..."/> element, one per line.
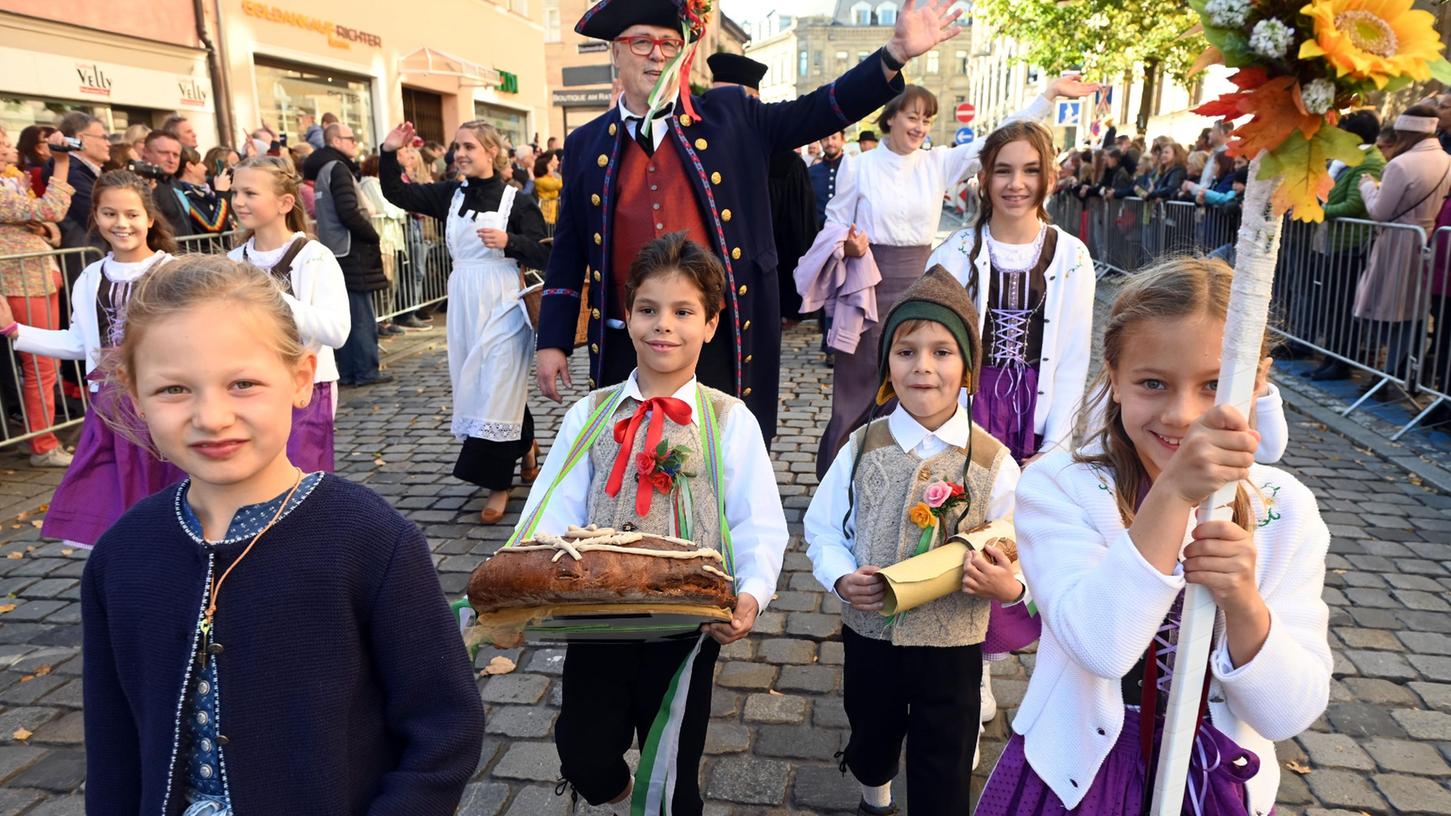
<point x="891" y="201"/>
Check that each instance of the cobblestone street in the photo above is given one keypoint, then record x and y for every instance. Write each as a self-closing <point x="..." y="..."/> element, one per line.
<point x="1383" y="746"/>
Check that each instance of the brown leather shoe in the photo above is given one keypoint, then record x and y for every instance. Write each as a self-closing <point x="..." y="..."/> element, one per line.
<point x="490" y="516"/>
<point x="528" y="474"/>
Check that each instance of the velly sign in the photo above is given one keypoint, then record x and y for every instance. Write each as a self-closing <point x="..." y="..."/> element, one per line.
<point x="35" y="73"/>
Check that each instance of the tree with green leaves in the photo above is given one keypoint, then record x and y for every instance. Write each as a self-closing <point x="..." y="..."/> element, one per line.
<point x="1103" y="38"/>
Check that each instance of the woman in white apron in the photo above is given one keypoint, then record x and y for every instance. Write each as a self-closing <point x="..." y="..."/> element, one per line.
<point x="493" y="231"/>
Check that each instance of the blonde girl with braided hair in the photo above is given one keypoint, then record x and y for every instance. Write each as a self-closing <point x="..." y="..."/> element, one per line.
<point x="265" y="198"/>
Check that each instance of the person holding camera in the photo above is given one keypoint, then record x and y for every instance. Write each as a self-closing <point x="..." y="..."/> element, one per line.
<point x="88" y="147"/>
<point x="31" y="287"/>
<point x="207" y="203"/>
<point x="163" y="151"/>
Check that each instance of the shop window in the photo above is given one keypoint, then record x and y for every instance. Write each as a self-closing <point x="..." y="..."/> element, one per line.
<point x="20" y="112"/>
<point x="285" y="91"/>
<point x="509" y="122"/>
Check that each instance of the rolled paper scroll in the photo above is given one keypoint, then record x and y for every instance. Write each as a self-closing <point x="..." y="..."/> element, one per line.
<point x="937" y="573"/>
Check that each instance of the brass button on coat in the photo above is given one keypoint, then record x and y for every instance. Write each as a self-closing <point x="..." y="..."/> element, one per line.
<point x="597" y="276"/>
<point x="595" y="199"/>
<point x="595" y="313"/>
<point x="741" y="291"/>
<point x="614" y="128"/>
<point x="686" y="120"/>
<point x="602" y="160"/>
<point x="599" y="239"/>
<point x="725" y="215"/>
<point x="715" y="178"/>
<point x="746" y="393"/>
<point x="701" y="144"/>
<point x="747" y="326"/>
<point x="736" y="254"/>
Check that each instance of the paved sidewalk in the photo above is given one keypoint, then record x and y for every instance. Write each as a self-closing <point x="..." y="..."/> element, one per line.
<point x="1382" y="747"/>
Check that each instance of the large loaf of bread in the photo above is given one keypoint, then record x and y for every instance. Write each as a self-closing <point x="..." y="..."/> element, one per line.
<point x="600" y="566"/>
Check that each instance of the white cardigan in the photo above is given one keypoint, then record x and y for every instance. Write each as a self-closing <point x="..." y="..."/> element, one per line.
<point x="82" y="339"/>
<point x="1101" y="604"/>
<point x="319" y="303"/>
<point x="1067" y="330"/>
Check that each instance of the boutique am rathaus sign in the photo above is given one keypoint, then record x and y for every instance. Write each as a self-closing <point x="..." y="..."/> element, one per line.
<point x="338" y="35"/>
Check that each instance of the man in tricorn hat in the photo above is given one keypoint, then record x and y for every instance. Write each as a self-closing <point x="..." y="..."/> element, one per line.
<point x="793" y="205"/>
<point x="664" y="161"/>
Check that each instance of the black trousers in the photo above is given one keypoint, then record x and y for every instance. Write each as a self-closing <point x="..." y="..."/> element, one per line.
<point x="926" y="694"/>
<point x="612" y="693"/>
<point x="491" y="465"/>
<point x="715" y="369"/>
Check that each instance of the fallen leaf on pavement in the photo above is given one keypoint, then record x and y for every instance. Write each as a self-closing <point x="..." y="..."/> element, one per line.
<point x="67" y="551"/>
<point x="15" y="556"/>
<point x="6" y="608"/>
<point x="499" y="665"/>
<point x="22" y="734"/>
<point x="1298" y="767"/>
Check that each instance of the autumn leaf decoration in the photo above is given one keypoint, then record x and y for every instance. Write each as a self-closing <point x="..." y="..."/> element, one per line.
<point x="1300" y="63"/>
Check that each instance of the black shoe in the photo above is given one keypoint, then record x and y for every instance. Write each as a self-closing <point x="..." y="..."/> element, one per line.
<point x="378" y="380"/>
<point x="1330" y="371"/>
<point x="864" y="809"/>
<point x="411" y="322"/>
<point x="390" y="330"/>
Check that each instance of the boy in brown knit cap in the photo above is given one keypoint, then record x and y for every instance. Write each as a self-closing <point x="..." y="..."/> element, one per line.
<point x="899" y="487"/>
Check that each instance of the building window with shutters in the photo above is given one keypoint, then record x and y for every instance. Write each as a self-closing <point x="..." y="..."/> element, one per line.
<point x="887" y="14"/>
<point x="961" y="62"/>
<point x="934" y="62"/>
<point x="803" y="63"/>
<point x="841" y="58"/>
<point x="861" y="14"/>
<point x="551" y="21"/>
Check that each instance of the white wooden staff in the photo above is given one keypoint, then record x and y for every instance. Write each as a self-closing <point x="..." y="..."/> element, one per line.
<point x="1256" y="252"/>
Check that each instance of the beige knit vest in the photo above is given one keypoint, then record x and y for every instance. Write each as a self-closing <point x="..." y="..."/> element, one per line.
<point x="619" y="510"/>
<point x="889" y="482"/>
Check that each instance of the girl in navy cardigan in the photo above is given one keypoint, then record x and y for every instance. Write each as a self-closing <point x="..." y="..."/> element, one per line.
<point x="259" y="639"/>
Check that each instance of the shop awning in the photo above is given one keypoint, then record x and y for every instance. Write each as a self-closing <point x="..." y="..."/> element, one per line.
<point x="428" y="62"/>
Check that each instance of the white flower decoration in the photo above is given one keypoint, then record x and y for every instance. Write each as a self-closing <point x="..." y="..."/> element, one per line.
<point x="1227" y="13"/>
<point x="1271" y="38"/>
<point x="1318" y="95"/>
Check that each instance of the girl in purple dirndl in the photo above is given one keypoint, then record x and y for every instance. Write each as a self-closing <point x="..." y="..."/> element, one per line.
<point x="1108" y="541"/>
<point x="1033" y="286"/>
<point x="113" y="469"/>
<point x="265" y="197"/>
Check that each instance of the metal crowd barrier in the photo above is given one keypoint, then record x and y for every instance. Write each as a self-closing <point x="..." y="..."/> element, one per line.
<point x="1394" y="328"/>
<point x="40" y="395"/>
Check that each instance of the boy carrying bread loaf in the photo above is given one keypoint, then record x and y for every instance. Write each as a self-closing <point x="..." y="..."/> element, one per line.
<point x="899" y="487"/>
<point x="675" y="458"/>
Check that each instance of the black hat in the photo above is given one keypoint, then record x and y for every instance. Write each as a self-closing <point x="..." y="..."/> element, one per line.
<point x="607" y="18"/>
<point x="867" y="136"/>
<point x="736" y="69"/>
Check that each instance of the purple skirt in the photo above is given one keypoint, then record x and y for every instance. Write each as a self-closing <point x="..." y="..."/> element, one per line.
<point x="110" y="473"/>
<point x="1004" y="406"/>
<point x="310" y="446"/>
<point x="1010" y="628"/>
<point x="1218" y="774"/>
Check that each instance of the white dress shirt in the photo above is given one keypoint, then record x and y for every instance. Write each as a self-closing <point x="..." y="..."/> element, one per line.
<point x="82" y="339"/>
<point x="1102" y="603"/>
<point x="752" y="502"/>
<point x="657" y="130"/>
<point x="830" y="551"/>
<point x="319" y="299"/>
<point x="897" y="200"/>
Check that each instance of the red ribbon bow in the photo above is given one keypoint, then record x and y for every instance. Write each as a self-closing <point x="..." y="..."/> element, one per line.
<point x="658" y="408"/>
